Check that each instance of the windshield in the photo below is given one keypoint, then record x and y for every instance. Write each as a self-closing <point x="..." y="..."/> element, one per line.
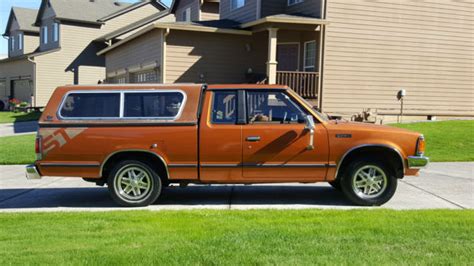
<point x="322" y="116"/>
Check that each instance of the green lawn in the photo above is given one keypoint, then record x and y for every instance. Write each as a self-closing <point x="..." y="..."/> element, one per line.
<point x="446" y="141"/>
<point x="206" y="237"/>
<point x="11" y="117"/>
<point x="17" y="149"/>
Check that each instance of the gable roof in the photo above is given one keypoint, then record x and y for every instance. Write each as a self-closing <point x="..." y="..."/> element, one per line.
<point x="86" y="11"/>
<point x="133" y="26"/>
<point x="157" y="3"/>
<point x="25" y="18"/>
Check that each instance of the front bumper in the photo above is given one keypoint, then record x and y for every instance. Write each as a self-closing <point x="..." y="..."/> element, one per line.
<point x="417" y="162"/>
<point x="32" y="172"/>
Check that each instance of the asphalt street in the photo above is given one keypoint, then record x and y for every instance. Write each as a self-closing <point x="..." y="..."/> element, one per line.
<point x="442" y="185"/>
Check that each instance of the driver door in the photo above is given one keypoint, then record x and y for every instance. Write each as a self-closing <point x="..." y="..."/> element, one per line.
<point x="275" y="141"/>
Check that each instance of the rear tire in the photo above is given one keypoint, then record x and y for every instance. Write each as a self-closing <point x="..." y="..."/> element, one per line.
<point x="335" y="184"/>
<point x="2" y="105"/>
<point x="133" y="184"/>
<point x="368" y="182"/>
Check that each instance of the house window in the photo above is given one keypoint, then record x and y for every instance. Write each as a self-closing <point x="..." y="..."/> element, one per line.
<point x="187" y="14"/>
<point x="44" y="34"/>
<point x="20" y="41"/>
<point x="55" y="32"/>
<point x="310" y="56"/>
<point x="294" y="2"/>
<point x="12" y="43"/>
<point x="145" y="77"/>
<point x="237" y="4"/>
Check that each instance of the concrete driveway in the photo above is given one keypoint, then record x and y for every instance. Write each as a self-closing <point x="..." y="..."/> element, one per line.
<point x="18" y="128"/>
<point x="442" y="185"/>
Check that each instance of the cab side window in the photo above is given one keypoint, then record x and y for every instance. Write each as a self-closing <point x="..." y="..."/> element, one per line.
<point x="224" y="107"/>
<point x="272" y="107"/>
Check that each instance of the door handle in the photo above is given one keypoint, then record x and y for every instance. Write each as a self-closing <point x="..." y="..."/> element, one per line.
<point x="253" y="138"/>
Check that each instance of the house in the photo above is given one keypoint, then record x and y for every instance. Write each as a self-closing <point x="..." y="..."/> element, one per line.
<point x="231" y="49"/>
<point x="344" y="56"/>
<point x="57" y="44"/>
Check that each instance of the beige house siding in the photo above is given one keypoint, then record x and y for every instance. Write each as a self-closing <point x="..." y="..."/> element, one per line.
<point x="58" y="68"/>
<point x="210" y="11"/>
<point x="183" y="5"/>
<point x="375" y="48"/>
<point x="219" y="58"/>
<point x="136" y="54"/>
<point x="30" y="43"/>
<point x="243" y="14"/>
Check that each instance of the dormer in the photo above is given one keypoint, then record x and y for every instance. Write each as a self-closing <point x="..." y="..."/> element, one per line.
<point x="195" y="10"/>
<point x="22" y="36"/>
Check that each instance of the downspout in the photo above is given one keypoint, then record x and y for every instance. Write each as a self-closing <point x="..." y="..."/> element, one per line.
<point x="164" y="34"/>
<point x="34" y="80"/>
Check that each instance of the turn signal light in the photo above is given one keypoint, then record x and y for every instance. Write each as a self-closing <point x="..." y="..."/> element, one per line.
<point x="420" y="147"/>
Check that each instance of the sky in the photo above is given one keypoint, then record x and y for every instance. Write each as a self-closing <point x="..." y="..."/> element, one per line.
<point x="6" y="5"/>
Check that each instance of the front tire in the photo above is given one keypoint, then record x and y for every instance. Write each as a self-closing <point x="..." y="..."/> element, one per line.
<point x="368" y="182"/>
<point x="133" y="184"/>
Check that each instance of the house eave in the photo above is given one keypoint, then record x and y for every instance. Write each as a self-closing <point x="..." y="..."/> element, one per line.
<point x="285" y="20"/>
<point x="175" y="26"/>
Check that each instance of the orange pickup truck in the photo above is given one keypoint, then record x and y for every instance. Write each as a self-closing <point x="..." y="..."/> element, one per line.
<point x="140" y="138"/>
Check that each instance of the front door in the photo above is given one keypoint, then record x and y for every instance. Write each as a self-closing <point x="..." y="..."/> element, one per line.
<point x="275" y="142"/>
<point x="287" y="57"/>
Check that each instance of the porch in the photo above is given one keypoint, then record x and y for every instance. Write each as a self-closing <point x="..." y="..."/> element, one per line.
<point x="293" y="54"/>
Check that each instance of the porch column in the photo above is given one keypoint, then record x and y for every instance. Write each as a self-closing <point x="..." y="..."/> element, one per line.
<point x="272" y="55"/>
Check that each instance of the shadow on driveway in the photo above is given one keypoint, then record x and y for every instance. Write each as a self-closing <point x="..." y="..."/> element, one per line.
<point x="175" y="197"/>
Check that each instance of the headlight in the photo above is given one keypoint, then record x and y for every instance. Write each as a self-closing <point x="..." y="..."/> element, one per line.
<point x="420" y="146"/>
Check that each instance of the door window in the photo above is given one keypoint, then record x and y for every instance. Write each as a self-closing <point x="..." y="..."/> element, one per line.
<point x="224" y="109"/>
<point x="273" y="107"/>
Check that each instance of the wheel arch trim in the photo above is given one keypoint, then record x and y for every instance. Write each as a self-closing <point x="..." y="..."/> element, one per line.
<point x="339" y="163"/>
<point x="159" y="157"/>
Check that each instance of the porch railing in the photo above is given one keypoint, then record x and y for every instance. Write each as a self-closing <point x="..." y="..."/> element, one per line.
<point x="304" y="83"/>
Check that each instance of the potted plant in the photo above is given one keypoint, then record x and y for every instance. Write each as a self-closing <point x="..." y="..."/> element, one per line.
<point x="14" y="104"/>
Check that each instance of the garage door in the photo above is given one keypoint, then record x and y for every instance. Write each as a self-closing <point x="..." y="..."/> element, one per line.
<point x="22" y="90"/>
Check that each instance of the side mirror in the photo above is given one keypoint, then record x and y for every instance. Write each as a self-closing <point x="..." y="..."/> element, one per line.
<point x="309" y="122"/>
<point x="310" y="126"/>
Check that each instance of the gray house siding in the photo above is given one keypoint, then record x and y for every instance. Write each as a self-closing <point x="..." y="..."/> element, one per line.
<point x="243" y="14"/>
<point x="272" y="7"/>
<point x="183" y="5"/>
<point x="310" y="8"/>
<point x="209" y="11"/>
